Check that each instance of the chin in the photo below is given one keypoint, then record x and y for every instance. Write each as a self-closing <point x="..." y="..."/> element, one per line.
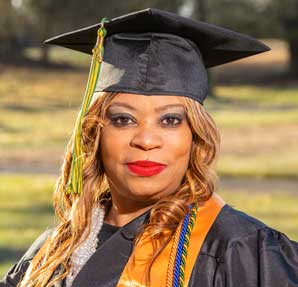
<point x="149" y="192"/>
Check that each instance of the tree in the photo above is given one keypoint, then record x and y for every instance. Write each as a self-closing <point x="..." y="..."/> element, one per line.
<point x="50" y="17"/>
<point x="286" y="12"/>
<point x="45" y="17"/>
<point x="259" y="18"/>
<point x="10" y="20"/>
<point x="200" y="13"/>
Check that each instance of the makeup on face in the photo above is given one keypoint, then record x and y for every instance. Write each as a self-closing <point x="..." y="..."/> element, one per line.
<point x="123" y="115"/>
<point x="146" y="167"/>
<point x="145" y="146"/>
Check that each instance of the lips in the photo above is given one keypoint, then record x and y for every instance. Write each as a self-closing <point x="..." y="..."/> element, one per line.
<point x="146" y="167"/>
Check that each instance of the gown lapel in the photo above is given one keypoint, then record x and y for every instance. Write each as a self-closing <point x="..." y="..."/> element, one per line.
<point x="105" y="266"/>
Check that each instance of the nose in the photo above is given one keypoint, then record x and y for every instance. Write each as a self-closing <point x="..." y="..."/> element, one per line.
<point x="147" y="138"/>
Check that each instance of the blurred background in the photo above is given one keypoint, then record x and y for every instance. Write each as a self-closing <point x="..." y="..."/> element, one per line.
<point x="254" y="102"/>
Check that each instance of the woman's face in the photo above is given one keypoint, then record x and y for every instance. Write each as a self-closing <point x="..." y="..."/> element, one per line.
<point x="145" y="146"/>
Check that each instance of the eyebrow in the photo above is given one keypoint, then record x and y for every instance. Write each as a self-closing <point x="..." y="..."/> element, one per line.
<point x="158" y="109"/>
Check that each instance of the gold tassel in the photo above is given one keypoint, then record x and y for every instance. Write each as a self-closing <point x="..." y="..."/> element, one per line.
<point x="75" y="180"/>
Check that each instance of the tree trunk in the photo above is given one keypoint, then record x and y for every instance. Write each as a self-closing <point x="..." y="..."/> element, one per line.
<point x="293" y="59"/>
<point x="200" y="7"/>
<point x="44" y="55"/>
<point x="10" y="50"/>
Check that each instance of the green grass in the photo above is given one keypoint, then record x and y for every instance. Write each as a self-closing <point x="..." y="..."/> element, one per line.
<point x="26" y="211"/>
<point x="25" y="206"/>
<point x="272" y="96"/>
<point x="271" y="165"/>
<point x="36" y="130"/>
<point x="241" y="118"/>
<point x="61" y="55"/>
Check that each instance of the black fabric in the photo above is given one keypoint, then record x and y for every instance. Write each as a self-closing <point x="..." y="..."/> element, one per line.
<point x="155" y="52"/>
<point x="142" y="63"/>
<point x="208" y="37"/>
<point x="106" y="264"/>
<point x="106" y="232"/>
<point x="239" y="251"/>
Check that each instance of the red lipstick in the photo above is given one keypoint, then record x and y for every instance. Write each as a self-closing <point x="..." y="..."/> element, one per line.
<point x="146" y="167"/>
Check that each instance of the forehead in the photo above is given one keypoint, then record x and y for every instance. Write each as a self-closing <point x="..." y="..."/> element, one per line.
<point x="145" y="101"/>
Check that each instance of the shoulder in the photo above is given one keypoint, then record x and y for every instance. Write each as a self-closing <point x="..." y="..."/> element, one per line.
<point x="233" y="228"/>
<point x="234" y="224"/>
<point x="240" y="248"/>
<point x="16" y="272"/>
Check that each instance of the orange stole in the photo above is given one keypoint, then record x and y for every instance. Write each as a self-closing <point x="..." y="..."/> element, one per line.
<point x="133" y="274"/>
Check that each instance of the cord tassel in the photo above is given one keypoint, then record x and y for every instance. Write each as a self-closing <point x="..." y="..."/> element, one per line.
<point x="75" y="180"/>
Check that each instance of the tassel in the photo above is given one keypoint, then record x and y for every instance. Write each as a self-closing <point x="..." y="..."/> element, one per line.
<point x="75" y="180"/>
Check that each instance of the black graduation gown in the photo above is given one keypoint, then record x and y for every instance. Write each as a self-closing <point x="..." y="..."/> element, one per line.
<point x="239" y="251"/>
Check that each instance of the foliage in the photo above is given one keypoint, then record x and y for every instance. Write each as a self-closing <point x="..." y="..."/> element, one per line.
<point x="12" y="25"/>
<point x="55" y="18"/>
<point x="259" y="18"/>
<point x="287" y="13"/>
<point x="37" y="20"/>
<point x="246" y="16"/>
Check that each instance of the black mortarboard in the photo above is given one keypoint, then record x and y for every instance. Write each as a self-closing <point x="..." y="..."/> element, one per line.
<point x="150" y="52"/>
<point x="154" y="52"/>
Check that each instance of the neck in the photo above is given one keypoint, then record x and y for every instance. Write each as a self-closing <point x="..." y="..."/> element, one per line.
<point x="114" y="217"/>
<point x="122" y="211"/>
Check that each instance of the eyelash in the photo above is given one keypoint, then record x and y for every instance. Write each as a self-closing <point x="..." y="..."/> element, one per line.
<point x="117" y="120"/>
<point x="175" y="117"/>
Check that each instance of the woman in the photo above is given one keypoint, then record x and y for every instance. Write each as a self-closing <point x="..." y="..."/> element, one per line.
<point x="136" y="199"/>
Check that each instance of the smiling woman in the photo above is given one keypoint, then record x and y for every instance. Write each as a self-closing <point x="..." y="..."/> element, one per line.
<point x="136" y="201"/>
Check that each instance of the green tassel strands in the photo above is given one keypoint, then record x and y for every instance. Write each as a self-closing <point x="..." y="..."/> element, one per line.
<point x="75" y="180"/>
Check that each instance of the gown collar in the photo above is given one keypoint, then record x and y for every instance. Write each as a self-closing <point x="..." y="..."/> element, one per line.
<point x="120" y="243"/>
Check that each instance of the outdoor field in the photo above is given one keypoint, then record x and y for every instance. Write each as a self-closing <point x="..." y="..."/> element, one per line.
<point x="255" y="108"/>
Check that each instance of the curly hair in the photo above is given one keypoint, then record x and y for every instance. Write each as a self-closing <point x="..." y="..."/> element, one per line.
<point x="74" y="212"/>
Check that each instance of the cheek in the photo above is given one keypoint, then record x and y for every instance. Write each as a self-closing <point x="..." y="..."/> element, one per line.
<point x="111" y="147"/>
<point x="178" y="150"/>
<point x="180" y="143"/>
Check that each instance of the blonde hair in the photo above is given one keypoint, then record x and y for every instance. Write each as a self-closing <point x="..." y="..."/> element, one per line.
<point x="74" y="212"/>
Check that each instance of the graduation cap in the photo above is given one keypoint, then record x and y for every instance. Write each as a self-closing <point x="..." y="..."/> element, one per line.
<point x="154" y="52"/>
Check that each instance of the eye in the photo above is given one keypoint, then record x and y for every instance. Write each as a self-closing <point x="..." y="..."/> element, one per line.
<point x="171" y="120"/>
<point x="120" y="120"/>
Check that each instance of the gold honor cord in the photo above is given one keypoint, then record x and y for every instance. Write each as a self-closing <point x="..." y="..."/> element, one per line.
<point x="75" y="180"/>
